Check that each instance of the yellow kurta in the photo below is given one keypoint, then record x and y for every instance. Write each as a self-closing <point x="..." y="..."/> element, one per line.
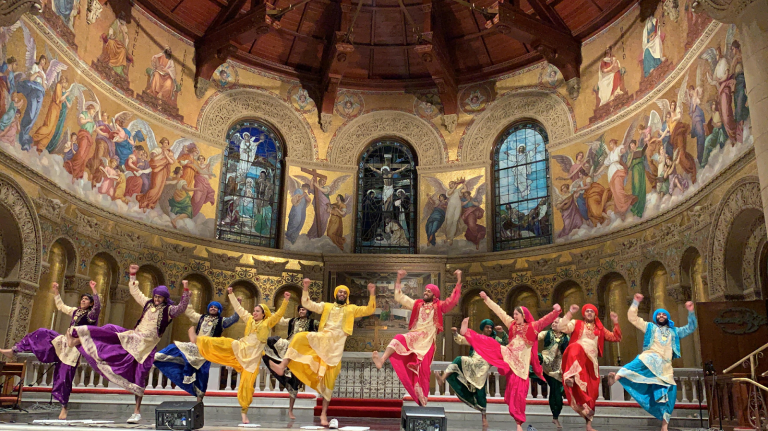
<point x="316" y="356"/>
<point x="422" y="337"/>
<point x="244" y="354"/>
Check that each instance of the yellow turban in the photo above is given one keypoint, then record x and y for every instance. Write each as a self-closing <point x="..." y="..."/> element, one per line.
<point x="338" y="288"/>
<point x="264" y="307"/>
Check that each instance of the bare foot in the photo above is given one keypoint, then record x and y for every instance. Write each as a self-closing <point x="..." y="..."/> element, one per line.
<point x="279" y="369"/>
<point x="464" y="326"/>
<point x="664" y="425"/>
<point x="589" y="426"/>
<point x="291" y="415"/>
<point x="439" y="378"/>
<point x="569" y="382"/>
<point x="245" y="418"/>
<point x="377" y="360"/>
<point x="63" y="413"/>
<point x="557" y="423"/>
<point x="423" y="400"/>
<point x="485" y="422"/>
<point x="588" y="413"/>
<point x="519" y="427"/>
<point x="323" y="420"/>
<point x="613" y="378"/>
<point x="8" y="353"/>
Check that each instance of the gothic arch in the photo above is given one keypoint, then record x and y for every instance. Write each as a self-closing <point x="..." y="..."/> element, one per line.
<point x="223" y="110"/>
<point x="24" y="215"/>
<point x="71" y="250"/>
<point x="354" y="137"/>
<point x="548" y="109"/>
<point x="741" y="200"/>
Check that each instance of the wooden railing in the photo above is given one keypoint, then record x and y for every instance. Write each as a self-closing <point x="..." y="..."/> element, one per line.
<point x="740" y="398"/>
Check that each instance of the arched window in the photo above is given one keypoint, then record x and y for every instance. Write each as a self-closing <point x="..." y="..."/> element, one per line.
<point x="521" y="172"/>
<point x="250" y="185"/>
<point x="386" y="199"/>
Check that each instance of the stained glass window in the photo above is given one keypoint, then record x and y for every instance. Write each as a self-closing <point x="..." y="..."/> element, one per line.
<point x="250" y="185"/>
<point x="522" y="205"/>
<point x="386" y="201"/>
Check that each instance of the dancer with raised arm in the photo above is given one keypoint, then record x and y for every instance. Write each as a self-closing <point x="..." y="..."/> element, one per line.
<point x="50" y="347"/>
<point x="649" y="378"/>
<point x="411" y="353"/>
<point x="245" y="353"/>
<point x="277" y="346"/>
<point x="515" y="359"/>
<point x="125" y="357"/>
<point x="315" y="357"/>
<point x="182" y="362"/>
<point x="551" y="358"/>
<point x="468" y="375"/>
<point x="581" y="373"/>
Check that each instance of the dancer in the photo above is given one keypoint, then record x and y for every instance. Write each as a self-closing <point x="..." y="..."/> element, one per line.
<point x="649" y="377"/>
<point x="182" y="363"/>
<point x="125" y="357"/>
<point x="468" y="375"/>
<point x="514" y="359"/>
<point x="581" y="373"/>
<point x="411" y="353"/>
<point x="315" y="357"/>
<point x="276" y="348"/>
<point x="244" y="354"/>
<point x="555" y="343"/>
<point x="51" y="347"/>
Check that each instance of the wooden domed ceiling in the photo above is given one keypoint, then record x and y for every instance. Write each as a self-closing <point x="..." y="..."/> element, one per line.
<point x="388" y="44"/>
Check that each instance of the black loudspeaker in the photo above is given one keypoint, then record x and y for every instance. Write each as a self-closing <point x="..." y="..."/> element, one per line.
<point x="179" y="415"/>
<point x="423" y="419"/>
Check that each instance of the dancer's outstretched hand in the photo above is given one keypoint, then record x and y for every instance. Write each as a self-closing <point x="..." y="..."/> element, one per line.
<point x="614" y="317"/>
<point x="557" y="307"/>
<point x="133" y="269"/>
<point x="305" y="283"/>
<point x="639" y="297"/>
<point x="185" y="283"/>
<point x="689" y="306"/>
<point x="498" y="328"/>
<point x="483" y="295"/>
<point x="93" y="286"/>
<point x="457" y="273"/>
<point x="574" y="309"/>
<point x="55" y="288"/>
<point x="371" y="289"/>
<point x="455" y="330"/>
<point x="287" y="295"/>
<point x="229" y="289"/>
<point x="401" y="273"/>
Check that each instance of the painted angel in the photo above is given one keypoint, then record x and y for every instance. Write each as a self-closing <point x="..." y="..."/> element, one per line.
<point x="565" y="202"/>
<point x="64" y="98"/>
<point x="322" y="193"/>
<point x="335" y="229"/>
<point x="43" y="71"/>
<point x="671" y="114"/>
<point x="722" y="76"/>
<point x="298" y="193"/>
<point x="443" y="209"/>
<point x="472" y="213"/>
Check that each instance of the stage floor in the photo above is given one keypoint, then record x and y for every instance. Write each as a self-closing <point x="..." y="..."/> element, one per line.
<point x="272" y="421"/>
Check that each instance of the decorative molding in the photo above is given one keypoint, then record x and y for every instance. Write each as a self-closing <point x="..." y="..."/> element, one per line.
<point x="312" y="272"/>
<point x="24" y="217"/>
<point x="587" y="258"/>
<point x="752" y="249"/>
<point x="726" y="11"/>
<point x="268" y="267"/>
<point x="352" y="138"/>
<point x="450" y="278"/>
<point x="12" y="10"/>
<point x="223" y="260"/>
<point x="87" y="226"/>
<point x="176" y="251"/>
<point x="543" y="266"/>
<point x="500" y="271"/>
<point x="742" y="195"/>
<point x="681" y="294"/>
<point x="224" y="109"/>
<point x="52" y="209"/>
<point x="324" y="165"/>
<point x="481" y="134"/>
<point x="129" y="240"/>
<point x="451" y="167"/>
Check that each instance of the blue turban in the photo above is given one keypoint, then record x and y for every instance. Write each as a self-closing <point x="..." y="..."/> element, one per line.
<point x="487" y="322"/>
<point x="215" y="304"/>
<point x="669" y="317"/>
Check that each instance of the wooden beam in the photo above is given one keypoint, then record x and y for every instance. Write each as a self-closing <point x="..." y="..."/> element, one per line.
<point x="548" y="14"/>
<point x="227" y="13"/>
<point x="337" y="55"/>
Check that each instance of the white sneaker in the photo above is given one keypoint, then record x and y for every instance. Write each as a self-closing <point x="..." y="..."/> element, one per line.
<point x="134" y="419"/>
<point x="333" y="424"/>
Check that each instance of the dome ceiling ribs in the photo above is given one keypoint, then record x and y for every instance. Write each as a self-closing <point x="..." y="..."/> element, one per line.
<point x="338" y="53"/>
<point x="434" y="54"/>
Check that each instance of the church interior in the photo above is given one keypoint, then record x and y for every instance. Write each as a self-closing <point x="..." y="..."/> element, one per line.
<point x="553" y="151"/>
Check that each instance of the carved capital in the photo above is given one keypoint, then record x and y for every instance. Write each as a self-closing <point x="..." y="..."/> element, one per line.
<point x="574" y="87"/>
<point x="543" y="266"/>
<point x="500" y="271"/>
<point x="269" y="268"/>
<point x="325" y="121"/>
<point x="88" y="226"/>
<point x="449" y="121"/>
<point x="223" y="260"/>
<point x="727" y="11"/>
<point x="52" y="209"/>
<point x="177" y="252"/>
<point x="12" y="10"/>
<point x="679" y="293"/>
<point x="312" y="272"/>
<point x="201" y="86"/>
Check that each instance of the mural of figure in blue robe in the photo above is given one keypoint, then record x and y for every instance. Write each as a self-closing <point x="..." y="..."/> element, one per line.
<point x="33" y="89"/>
<point x="64" y="8"/>
<point x="123" y="141"/>
<point x="437" y="218"/>
<point x="740" y="110"/>
<point x="697" y="122"/>
<point x="649" y="378"/>
<point x="652" y="40"/>
<point x="298" y="214"/>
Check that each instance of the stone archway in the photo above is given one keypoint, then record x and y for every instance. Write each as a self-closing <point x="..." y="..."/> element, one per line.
<point x="222" y="110"/>
<point x="548" y="109"/>
<point x="22" y="241"/>
<point x="741" y="206"/>
<point x="353" y="138"/>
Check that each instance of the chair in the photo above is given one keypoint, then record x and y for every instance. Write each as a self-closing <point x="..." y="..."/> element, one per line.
<point x="10" y="394"/>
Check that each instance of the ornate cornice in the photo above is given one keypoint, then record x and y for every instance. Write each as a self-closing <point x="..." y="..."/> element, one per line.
<point x="12" y="10"/>
<point x="727" y="11"/>
<point x="451" y="167"/>
<point x="324" y="165"/>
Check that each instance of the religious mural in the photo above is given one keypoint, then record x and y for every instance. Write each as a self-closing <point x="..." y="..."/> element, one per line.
<point x="654" y="160"/>
<point x="453" y="217"/>
<point x="318" y="208"/>
<point x="94" y="147"/>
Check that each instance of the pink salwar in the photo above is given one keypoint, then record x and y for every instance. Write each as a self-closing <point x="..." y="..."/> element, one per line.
<point x="413" y="373"/>
<point x="517" y="388"/>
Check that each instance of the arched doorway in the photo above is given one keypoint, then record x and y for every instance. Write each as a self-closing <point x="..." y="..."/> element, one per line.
<point x="612" y="296"/>
<point x="149" y="277"/>
<point x="61" y="266"/>
<point x="691" y="269"/>
<point x="249" y="296"/>
<point x="523" y="296"/>
<point x="200" y="295"/>
<point x="104" y="271"/>
<point x="567" y="293"/>
<point x="293" y="305"/>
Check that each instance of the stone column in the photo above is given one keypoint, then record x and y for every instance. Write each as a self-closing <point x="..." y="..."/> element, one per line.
<point x="116" y="307"/>
<point x="15" y="310"/>
<point x="751" y="18"/>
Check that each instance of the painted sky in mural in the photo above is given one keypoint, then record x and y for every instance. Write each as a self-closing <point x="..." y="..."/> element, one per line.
<point x="318" y="211"/>
<point x="662" y="155"/>
<point x="65" y="130"/>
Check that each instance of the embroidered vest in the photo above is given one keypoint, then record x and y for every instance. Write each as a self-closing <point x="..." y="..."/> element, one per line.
<point x="80" y="317"/>
<point x="600" y="336"/>
<point x="163" y="317"/>
<point x="437" y="317"/>
<point x="652" y="329"/>
<point x="218" y="327"/>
